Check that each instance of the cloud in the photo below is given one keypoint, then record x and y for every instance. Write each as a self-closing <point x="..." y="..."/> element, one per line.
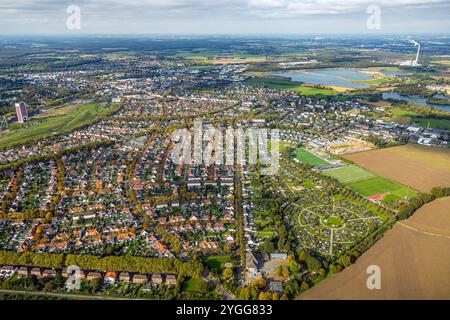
<point x="300" y="8"/>
<point x="109" y="13"/>
<point x="268" y="4"/>
<point x="249" y="7"/>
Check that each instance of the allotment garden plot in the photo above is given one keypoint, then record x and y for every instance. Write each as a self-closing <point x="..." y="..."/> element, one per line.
<point x="331" y="226"/>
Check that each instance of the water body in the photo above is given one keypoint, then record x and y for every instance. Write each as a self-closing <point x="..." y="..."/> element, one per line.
<point x="397" y="96"/>
<point x="331" y="77"/>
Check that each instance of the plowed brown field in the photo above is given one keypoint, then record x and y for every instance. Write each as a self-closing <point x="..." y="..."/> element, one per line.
<point x="419" y="167"/>
<point x="414" y="259"/>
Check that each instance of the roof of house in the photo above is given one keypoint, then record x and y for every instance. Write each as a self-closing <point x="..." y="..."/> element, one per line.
<point x="276" y="286"/>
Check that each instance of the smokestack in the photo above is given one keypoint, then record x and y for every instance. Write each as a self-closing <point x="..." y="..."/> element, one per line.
<point x="416" y="44"/>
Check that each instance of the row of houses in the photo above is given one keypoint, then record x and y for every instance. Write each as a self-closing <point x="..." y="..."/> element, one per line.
<point x="109" y="277"/>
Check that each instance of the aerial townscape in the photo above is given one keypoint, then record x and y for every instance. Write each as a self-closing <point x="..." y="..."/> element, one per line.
<point x="358" y="137"/>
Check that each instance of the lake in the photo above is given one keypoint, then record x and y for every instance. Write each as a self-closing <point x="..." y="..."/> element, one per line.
<point x="331" y="77"/>
<point x="397" y="96"/>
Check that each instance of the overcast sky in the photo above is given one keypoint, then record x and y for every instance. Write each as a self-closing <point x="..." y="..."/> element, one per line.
<point x="224" y="16"/>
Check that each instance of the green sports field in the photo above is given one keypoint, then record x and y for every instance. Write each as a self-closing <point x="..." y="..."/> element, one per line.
<point x="349" y="173"/>
<point x="376" y="185"/>
<point x="305" y="156"/>
<point x="368" y="184"/>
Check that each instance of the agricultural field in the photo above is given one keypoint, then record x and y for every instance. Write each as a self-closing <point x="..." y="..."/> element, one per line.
<point x="305" y="156"/>
<point x="413" y="257"/>
<point x="416" y="166"/>
<point x="441" y="62"/>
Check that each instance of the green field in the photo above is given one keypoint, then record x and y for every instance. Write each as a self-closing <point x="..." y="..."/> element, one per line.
<point x="310" y="91"/>
<point x="369" y="184"/>
<point x="305" y="156"/>
<point x="264" y="234"/>
<point x="433" y="123"/>
<point x="247" y="55"/>
<point x="218" y="261"/>
<point x="376" y="185"/>
<point x="422" y="121"/>
<point x="282" y="145"/>
<point x="194" y="285"/>
<point x="274" y="83"/>
<point x="402" y="112"/>
<point x="349" y="173"/>
<point x="334" y="222"/>
<point x="376" y="80"/>
<point x="76" y="118"/>
<point x="373" y="185"/>
<point x="441" y="62"/>
<point x="308" y="184"/>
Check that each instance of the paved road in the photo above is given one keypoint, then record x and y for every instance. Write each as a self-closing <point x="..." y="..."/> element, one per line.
<point x="65" y="295"/>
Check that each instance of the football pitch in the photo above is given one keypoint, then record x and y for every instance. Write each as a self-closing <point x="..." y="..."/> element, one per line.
<point x="349" y="173"/>
<point x="376" y="185"/>
<point x="369" y="184"/>
<point x="305" y="156"/>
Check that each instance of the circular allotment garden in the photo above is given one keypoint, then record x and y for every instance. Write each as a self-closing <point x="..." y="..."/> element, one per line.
<point x="331" y="227"/>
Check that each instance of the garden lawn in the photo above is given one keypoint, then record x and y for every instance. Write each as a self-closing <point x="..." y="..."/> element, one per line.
<point x="218" y="261"/>
<point x="193" y="285"/>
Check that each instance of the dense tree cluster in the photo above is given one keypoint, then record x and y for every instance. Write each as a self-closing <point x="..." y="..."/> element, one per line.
<point x="32" y="259"/>
<point x="108" y="263"/>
